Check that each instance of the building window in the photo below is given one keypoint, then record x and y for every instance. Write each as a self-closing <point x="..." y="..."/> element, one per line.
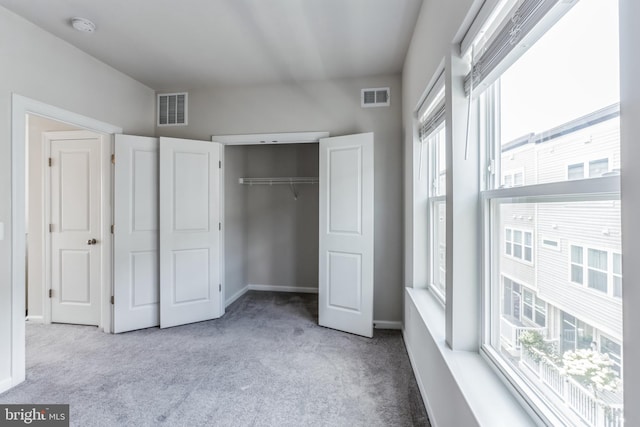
<point x="519" y="244"/>
<point x="614" y="350"/>
<point x="617" y="275"/>
<point x="596" y="168"/>
<point x="577" y="265"/>
<point x="556" y="126"/>
<point x="602" y="272"/>
<point x="513" y="179"/>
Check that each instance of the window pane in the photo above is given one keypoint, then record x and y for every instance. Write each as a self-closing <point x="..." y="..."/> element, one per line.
<point x="575" y="171"/>
<point x="517" y="251"/>
<point x="554" y="99"/>
<point x="598" y="280"/>
<point x="598" y="259"/>
<point x="576" y="254"/>
<point x="439" y="248"/>
<point x="565" y="317"/>
<point x="598" y="167"/>
<point x="617" y="264"/>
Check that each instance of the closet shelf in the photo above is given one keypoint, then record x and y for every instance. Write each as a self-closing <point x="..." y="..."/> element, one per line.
<point x="279" y="180"/>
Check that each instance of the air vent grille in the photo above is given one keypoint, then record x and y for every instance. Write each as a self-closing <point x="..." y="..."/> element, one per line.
<point x="172" y="109"/>
<point x="375" y="97"/>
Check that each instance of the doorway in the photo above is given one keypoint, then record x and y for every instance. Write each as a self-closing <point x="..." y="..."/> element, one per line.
<point x="22" y="107"/>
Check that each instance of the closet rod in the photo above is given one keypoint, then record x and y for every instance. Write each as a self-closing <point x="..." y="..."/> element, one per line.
<point x="279" y="180"/>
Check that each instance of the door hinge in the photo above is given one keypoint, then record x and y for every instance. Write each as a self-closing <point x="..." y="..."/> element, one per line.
<point x="219" y="164"/>
<point x="220" y="288"/>
<point x="219" y="226"/>
<point x="50" y="293"/>
<point x="111" y="229"/>
<point x="50" y="228"/>
<point x="50" y="161"/>
<point x="113" y="159"/>
<point x="112" y="300"/>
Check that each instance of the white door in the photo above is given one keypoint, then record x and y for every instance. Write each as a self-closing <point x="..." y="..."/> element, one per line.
<point x="346" y="234"/>
<point x="136" y="287"/>
<point x="76" y="228"/>
<point x="190" y="289"/>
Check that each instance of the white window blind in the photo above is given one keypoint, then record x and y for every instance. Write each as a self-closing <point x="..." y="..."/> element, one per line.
<point x="521" y="26"/>
<point x="432" y="112"/>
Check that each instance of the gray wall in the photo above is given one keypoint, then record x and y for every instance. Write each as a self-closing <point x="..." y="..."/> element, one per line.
<point x="282" y="231"/>
<point x="40" y="66"/>
<point x="332" y="106"/>
<point x="235" y="221"/>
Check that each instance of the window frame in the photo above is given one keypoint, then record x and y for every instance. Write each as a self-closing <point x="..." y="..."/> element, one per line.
<point x="434" y="200"/>
<point x="604" y="188"/>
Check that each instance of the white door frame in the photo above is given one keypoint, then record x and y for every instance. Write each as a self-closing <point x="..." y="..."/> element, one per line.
<point x="20" y="107"/>
<point x="106" y="215"/>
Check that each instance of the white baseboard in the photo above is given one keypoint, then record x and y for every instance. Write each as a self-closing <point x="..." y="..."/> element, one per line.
<point x="35" y="319"/>
<point x="5" y="384"/>
<point x="276" y="288"/>
<point x="235" y="296"/>
<point x="387" y="324"/>
<point x="416" y="374"/>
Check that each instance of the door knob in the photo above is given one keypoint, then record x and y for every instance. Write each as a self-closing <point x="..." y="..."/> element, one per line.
<point x="92" y="242"/>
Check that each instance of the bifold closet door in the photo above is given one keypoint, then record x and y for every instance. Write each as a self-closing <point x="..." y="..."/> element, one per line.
<point x="346" y="234"/>
<point x="136" y="287"/>
<point x="190" y="285"/>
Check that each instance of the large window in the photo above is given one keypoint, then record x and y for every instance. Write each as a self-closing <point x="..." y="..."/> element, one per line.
<point x="433" y="173"/>
<point x="553" y="112"/>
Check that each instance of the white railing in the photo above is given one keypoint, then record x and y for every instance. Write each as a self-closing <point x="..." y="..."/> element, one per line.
<point x="510" y="334"/>
<point x="593" y="411"/>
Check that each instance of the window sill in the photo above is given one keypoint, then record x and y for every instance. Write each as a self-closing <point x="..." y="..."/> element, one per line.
<point x="490" y="401"/>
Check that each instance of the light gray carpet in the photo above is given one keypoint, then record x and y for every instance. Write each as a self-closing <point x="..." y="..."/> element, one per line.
<point x="265" y="363"/>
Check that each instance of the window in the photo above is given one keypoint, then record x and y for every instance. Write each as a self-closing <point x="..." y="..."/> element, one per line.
<point x="551" y="244"/>
<point x="513" y="179"/>
<point x="519" y="244"/>
<point x="617" y="275"/>
<point x="596" y="168"/>
<point x="560" y="124"/>
<point x="614" y="350"/>
<point x="602" y="272"/>
<point x="433" y="139"/>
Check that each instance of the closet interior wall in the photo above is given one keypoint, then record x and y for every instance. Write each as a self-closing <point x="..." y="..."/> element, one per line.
<point x="271" y="238"/>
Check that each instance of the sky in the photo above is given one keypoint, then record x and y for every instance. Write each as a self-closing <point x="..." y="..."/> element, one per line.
<point x="571" y="71"/>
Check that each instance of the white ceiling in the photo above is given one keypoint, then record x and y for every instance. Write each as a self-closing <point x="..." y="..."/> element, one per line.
<point x="182" y="44"/>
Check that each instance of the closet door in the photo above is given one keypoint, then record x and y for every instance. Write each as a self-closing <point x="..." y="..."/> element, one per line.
<point x="136" y="287"/>
<point x="190" y="289"/>
<point x="346" y="234"/>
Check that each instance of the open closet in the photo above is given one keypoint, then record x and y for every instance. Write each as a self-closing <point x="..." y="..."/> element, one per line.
<point x="197" y="224"/>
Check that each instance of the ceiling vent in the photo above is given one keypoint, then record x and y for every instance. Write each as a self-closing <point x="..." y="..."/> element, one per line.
<point x="375" y="97"/>
<point x="172" y="109"/>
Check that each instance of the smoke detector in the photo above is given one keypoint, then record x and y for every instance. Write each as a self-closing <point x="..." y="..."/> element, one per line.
<point x="83" y="25"/>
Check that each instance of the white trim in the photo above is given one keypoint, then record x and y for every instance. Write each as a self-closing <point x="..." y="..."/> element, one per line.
<point x="35" y="319"/>
<point x="221" y="251"/>
<point x="20" y="107"/>
<point x="387" y="324"/>
<point x="416" y="374"/>
<point x="270" y="138"/>
<point x="277" y="288"/>
<point x="235" y="296"/>
<point x="5" y="385"/>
